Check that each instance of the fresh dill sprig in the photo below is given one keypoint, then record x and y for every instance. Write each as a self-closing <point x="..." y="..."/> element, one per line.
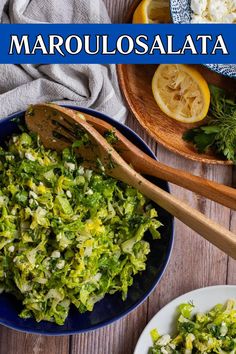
<point x="219" y="134"/>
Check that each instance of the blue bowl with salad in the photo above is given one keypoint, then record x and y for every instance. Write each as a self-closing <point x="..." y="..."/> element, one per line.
<point x="78" y="249"/>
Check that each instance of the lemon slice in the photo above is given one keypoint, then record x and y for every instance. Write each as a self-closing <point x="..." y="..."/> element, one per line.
<point x="152" y="11"/>
<point x="181" y="92"/>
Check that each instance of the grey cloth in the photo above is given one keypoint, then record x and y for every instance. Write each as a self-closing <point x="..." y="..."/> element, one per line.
<point x="93" y="86"/>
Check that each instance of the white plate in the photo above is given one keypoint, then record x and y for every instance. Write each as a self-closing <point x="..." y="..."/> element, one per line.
<point x="204" y="299"/>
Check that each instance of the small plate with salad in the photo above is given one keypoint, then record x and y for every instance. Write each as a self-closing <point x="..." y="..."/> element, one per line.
<point x="201" y="321"/>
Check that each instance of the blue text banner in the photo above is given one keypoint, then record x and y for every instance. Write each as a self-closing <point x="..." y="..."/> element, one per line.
<point x="137" y="44"/>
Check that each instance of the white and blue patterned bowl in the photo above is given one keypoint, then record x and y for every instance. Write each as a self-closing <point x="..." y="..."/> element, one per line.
<point x="181" y="13"/>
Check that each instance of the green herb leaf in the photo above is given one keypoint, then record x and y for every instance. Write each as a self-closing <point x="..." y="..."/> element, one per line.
<point x="219" y="134"/>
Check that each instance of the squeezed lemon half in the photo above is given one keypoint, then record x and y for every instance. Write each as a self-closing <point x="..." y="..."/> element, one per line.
<point x="181" y="92"/>
<point x="152" y="11"/>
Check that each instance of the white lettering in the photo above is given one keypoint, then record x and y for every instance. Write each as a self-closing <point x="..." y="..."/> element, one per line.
<point x="87" y="45"/>
<point x="39" y="45"/>
<point x="19" y="46"/>
<point x="120" y="44"/>
<point x="79" y="44"/>
<point x="157" y="44"/>
<point x="141" y="44"/>
<point x="105" y="46"/>
<point x="55" y="43"/>
<point x="170" y="46"/>
<point x="204" y="39"/>
<point x="220" y="45"/>
<point x="189" y="45"/>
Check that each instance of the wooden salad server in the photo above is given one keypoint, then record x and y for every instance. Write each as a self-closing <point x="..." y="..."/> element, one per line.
<point x="144" y="164"/>
<point x="58" y="129"/>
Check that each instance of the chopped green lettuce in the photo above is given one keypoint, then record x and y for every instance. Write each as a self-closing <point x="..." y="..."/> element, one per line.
<point x="201" y="333"/>
<point x="68" y="235"/>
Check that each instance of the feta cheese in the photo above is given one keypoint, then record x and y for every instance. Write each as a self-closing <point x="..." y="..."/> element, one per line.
<point x="70" y="166"/>
<point x="29" y="156"/>
<point x="97" y="277"/>
<point x="89" y="192"/>
<point x="3" y="201"/>
<point x="164" y="340"/>
<point x="198" y="6"/>
<point x="199" y="19"/>
<point x="81" y="170"/>
<point x="61" y="264"/>
<point x="88" y="174"/>
<point x="233" y="5"/>
<point x="56" y="254"/>
<point x="217" y="11"/>
<point x="88" y="251"/>
<point x="33" y="195"/>
<point x="68" y="193"/>
<point x="229" y="18"/>
<point x="11" y="249"/>
<point x="223" y="329"/>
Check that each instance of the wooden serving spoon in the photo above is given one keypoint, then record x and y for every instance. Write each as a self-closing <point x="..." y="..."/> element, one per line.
<point x="144" y="164"/>
<point x="58" y="129"/>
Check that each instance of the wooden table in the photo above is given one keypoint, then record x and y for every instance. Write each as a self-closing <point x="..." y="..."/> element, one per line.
<point x="194" y="263"/>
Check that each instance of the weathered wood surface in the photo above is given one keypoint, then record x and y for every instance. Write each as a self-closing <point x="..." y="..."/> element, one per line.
<point x="194" y="263"/>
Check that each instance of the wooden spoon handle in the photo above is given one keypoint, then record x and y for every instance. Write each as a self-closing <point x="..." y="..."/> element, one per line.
<point x="145" y="165"/>
<point x="211" y="231"/>
<point x="214" y="191"/>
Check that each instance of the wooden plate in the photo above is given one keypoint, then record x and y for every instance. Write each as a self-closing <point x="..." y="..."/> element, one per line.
<point x="135" y="82"/>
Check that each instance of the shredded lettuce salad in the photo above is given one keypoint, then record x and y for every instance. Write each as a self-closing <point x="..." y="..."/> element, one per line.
<point x="68" y="235"/>
<point x="211" y="332"/>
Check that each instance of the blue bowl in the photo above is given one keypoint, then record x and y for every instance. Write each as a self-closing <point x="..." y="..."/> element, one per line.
<point x="111" y="308"/>
<point x="181" y="13"/>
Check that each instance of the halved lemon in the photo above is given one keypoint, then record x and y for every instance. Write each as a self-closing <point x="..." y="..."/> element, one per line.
<point x="152" y="11"/>
<point x="181" y="92"/>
